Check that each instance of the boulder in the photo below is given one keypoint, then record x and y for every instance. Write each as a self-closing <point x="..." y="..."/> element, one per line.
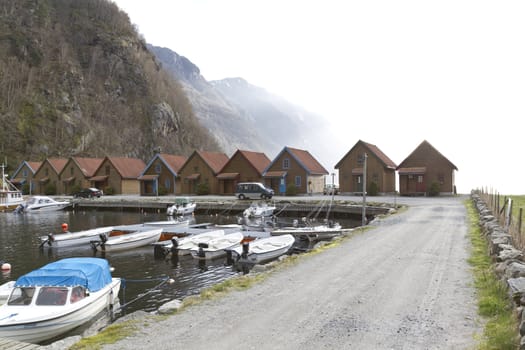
<point x="516" y="288"/>
<point x="170" y="307"/>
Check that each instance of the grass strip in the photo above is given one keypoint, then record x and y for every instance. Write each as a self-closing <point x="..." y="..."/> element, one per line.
<point x="500" y="331"/>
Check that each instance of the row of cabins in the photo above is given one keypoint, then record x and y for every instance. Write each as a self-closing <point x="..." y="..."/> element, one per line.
<point x="215" y="173"/>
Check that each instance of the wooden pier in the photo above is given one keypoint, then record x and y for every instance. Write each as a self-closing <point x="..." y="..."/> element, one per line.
<point x="285" y="208"/>
<point x="9" y="344"/>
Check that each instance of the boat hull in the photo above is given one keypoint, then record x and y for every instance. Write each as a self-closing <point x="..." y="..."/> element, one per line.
<point x="81" y="238"/>
<point x="264" y="250"/>
<point x="34" y="327"/>
<point x="130" y="241"/>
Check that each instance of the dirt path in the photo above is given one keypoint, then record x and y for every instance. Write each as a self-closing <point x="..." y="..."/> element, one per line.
<point x="403" y="285"/>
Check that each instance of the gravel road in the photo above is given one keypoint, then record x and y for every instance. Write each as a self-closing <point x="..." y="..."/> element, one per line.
<point x="403" y="285"/>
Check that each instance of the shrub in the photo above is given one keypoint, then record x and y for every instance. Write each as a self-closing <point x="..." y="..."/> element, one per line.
<point x="373" y="189"/>
<point x="162" y="190"/>
<point x="435" y="188"/>
<point x="202" y="189"/>
<point x="50" y="189"/>
<point x="75" y="189"/>
<point x="108" y="190"/>
<point x="291" y="190"/>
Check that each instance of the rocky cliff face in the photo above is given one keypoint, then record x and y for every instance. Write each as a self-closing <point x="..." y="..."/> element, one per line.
<point x="76" y="79"/>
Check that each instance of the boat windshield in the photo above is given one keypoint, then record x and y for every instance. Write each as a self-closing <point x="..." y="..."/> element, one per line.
<point x="21" y="296"/>
<point x="52" y="296"/>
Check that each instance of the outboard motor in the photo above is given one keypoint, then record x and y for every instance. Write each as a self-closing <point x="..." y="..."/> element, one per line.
<point x="175" y="245"/>
<point x="245" y="250"/>
<point x="200" y="252"/>
<point x="50" y="239"/>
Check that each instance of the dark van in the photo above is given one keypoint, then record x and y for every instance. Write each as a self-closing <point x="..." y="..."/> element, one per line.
<point x="253" y="190"/>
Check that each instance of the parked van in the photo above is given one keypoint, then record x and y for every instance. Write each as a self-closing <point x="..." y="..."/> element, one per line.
<point x="253" y="190"/>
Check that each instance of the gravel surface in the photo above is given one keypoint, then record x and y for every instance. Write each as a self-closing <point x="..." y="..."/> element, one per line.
<point x="403" y="285"/>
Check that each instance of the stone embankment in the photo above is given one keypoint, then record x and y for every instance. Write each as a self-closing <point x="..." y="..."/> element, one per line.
<point x="510" y="267"/>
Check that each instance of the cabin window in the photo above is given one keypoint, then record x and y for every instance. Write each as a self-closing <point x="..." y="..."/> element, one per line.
<point x="52" y="296"/>
<point x="158" y="168"/>
<point x="286" y="163"/>
<point x="167" y="184"/>
<point x="420" y="179"/>
<point x="24" y="173"/>
<point x="107" y="169"/>
<point x="71" y="171"/>
<point x="21" y="296"/>
<point x="46" y="172"/>
<point x="78" y="293"/>
<point x="298" y="181"/>
<point x="359" y="179"/>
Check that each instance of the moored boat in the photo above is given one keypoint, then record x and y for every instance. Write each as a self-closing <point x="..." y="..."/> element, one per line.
<point x="263" y="250"/>
<point x="72" y="239"/>
<point x="5" y="291"/>
<point x="40" y="204"/>
<point x="133" y="240"/>
<point x="215" y="248"/>
<point x="184" y="245"/>
<point x="258" y="210"/>
<point x="58" y="297"/>
<point x="182" y="206"/>
<point x="10" y="196"/>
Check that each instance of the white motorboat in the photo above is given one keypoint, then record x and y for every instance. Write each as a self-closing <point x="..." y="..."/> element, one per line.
<point x="10" y="196"/>
<point x="74" y="239"/>
<point x="185" y="244"/>
<point x="182" y="206"/>
<point x="262" y="250"/>
<point x="258" y="210"/>
<point x="133" y="240"/>
<point x="215" y="248"/>
<point x="5" y="291"/>
<point x="39" y="204"/>
<point x="311" y="230"/>
<point x="57" y="298"/>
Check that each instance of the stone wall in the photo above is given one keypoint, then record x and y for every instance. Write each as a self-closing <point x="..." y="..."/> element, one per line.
<point x="509" y="267"/>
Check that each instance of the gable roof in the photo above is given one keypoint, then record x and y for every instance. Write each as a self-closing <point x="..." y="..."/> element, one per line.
<point x="88" y="166"/>
<point x="258" y="160"/>
<point x="304" y="158"/>
<point x="33" y="166"/>
<point x="373" y="149"/>
<point x="172" y="162"/>
<point x="422" y="145"/>
<point x="57" y="164"/>
<point x="128" y="168"/>
<point x="214" y="160"/>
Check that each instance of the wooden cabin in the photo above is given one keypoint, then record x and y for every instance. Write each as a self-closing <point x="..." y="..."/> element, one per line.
<point x="199" y="172"/>
<point x="76" y="174"/>
<point x="23" y="176"/>
<point x="117" y="175"/>
<point x="47" y="177"/>
<point x="295" y="167"/>
<point x="243" y="166"/>
<point x="380" y="170"/>
<point x="426" y="172"/>
<point x="161" y="175"/>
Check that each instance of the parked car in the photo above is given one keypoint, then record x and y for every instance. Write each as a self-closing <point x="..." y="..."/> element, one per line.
<point x="246" y="190"/>
<point x="328" y="188"/>
<point x="88" y="193"/>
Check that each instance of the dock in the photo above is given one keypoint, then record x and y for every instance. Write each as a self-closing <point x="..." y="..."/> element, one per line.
<point x="9" y="344"/>
<point x="286" y="208"/>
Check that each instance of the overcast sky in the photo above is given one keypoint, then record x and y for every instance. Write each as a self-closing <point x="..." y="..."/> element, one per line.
<point x="391" y="73"/>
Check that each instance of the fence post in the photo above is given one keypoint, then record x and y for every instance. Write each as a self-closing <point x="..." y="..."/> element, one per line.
<point x="519" y="227"/>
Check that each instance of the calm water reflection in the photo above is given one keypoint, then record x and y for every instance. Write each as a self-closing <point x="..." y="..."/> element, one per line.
<point x="19" y="246"/>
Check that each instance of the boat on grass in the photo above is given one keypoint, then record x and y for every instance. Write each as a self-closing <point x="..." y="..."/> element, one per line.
<point x="216" y="248"/>
<point x="40" y="204"/>
<point x="57" y="298"/>
<point x="262" y="250"/>
<point x="182" y="206"/>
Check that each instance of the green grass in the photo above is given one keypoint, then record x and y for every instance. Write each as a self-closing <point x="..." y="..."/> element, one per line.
<point x="494" y="304"/>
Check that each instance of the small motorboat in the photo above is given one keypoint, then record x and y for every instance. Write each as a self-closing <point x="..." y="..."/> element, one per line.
<point x="39" y="204"/>
<point x="215" y="248"/>
<point x="126" y="241"/>
<point x="258" y="210"/>
<point x="74" y="239"/>
<point x="57" y="298"/>
<point x="311" y="230"/>
<point x="182" y="206"/>
<point x="184" y="245"/>
<point x="263" y="250"/>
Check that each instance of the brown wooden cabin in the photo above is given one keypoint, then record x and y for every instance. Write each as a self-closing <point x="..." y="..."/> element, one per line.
<point x="380" y="169"/>
<point x="47" y="177"/>
<point x="243" y="166"/>
<point x="118" y="175"/>
<point x="202" y="168"/>
<point x="24" y="175"/>
<point x="161" y="174"/>
<point x="76" y="174"/>
<point x="295" y="167"/>
<point x="424" y="167"/>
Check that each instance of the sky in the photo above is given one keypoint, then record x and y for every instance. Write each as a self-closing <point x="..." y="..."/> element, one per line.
<point x="390" y="73"/>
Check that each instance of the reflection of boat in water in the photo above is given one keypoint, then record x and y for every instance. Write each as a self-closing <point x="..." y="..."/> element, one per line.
<point x="57" y="298"/>
<point x="10" y="196"/>
<point x="40" y="204"/>
<point x="262" y="250"/>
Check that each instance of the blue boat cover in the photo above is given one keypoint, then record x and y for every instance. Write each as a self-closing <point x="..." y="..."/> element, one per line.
<point x="92" y="273"/>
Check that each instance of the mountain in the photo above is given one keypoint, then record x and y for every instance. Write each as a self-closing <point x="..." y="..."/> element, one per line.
<point x="77" y="79"/>
<point x="241" y="115"/>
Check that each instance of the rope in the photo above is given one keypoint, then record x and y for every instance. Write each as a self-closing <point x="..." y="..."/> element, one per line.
<point x="124" y="281"/>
